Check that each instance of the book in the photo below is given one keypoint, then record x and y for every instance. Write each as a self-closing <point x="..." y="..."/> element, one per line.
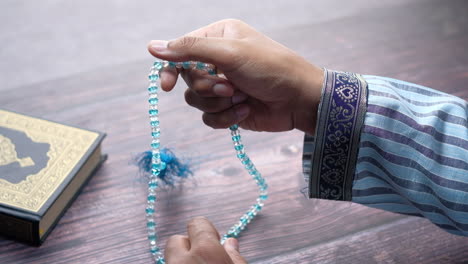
<point x="43" y="166"/>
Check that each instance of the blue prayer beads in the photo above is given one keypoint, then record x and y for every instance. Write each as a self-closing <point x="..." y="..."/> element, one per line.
<point x="157" y="165"/>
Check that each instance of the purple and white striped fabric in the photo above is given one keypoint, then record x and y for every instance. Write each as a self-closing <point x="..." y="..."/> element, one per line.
<point x="412" y="156"/>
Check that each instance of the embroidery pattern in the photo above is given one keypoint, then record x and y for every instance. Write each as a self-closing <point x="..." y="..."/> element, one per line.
<point x="341" y="116"/>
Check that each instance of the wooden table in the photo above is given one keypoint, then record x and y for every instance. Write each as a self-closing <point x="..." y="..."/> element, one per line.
<point x="424" y="42"/>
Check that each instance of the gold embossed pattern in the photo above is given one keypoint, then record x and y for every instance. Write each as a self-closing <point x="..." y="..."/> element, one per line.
<point x="67" y="146"/>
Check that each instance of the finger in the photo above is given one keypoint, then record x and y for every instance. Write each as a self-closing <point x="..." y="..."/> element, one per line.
<point x="231" y="245"/>
<point x="201" y="232"/>
<point x="225" y="119"/>
<point x="168" y="79"/>
<point x="218" y="51"/>
<point x="207" y="85"/>
<point x="207" y="104"/>
<point x="213" y="104"/>
<point x="176" y="247"/>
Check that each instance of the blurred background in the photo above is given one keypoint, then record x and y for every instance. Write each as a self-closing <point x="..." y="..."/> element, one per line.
<point x="47" y="39"/>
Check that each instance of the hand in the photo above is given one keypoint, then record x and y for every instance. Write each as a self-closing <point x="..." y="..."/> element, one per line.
<point x="268" y="87"/>
<point x="202" y="246"/>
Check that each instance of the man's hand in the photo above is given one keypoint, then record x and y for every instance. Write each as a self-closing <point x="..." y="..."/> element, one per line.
<point x="268" y="87"/>
<point x="202" y="246"/>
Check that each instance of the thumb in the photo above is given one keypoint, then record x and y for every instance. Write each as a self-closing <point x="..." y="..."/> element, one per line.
<point x="218" y="51"/>
<point x="232" y="248"/>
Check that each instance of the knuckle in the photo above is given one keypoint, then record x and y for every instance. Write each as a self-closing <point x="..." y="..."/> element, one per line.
<point x="232" y="21"/>
<point x="186" y="42"/>
<point x="196" y="220"/>
<point x="235" y="52"/>
<point x="202" y="87"/>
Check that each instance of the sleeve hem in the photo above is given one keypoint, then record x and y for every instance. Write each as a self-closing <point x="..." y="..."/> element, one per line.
<point x="330" y="158"/>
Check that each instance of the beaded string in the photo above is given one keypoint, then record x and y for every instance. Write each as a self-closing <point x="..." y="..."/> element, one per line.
<point x="157" y="165"/>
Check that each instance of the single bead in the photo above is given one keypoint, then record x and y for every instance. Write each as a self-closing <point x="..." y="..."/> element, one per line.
<point x="236" y="138"/>
<point x="153" y="77"/>
<point x="155" y="144"/>
<point x="239" y="147"/>
<point x="153" y="101"/>
<point x="153" y="112"/>
<point x="242" y="151"/>
<point x="251" y="214"/>
<point x="151" y="224"/>
<point x="158" y="65"/>
<point x="155" y="161"/>
<point x="154" y="249"/>
<point x="186" y="64"/>
<point x="244" y="220"/>
<point x="258" y="207"/>
<point x="155" y="134"/>
<point x="149" y="210"/>
<point x="171" y="64"/>
<point x="152" y="237"/>
<point x="241" y="156"/>
<point x="151" y="198"/>
<point x="152" y="89"/>
<point x="153" y="185"/>
<point x="158" y="164"/>
<point x="200" y="65"/>
<point x="233" y="127"/>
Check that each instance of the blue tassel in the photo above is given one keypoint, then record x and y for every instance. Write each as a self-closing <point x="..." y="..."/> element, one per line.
<point x="174" y="171"/>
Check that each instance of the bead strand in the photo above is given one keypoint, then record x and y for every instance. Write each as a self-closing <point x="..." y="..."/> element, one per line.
<point x="247" y="217"/>
<point x="157" y="165"/>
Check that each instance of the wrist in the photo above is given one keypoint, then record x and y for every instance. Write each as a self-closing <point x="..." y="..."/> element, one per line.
<point x="305" y="115"/>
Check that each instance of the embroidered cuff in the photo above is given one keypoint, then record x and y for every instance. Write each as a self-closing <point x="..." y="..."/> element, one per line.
<point x="329" y="158"/>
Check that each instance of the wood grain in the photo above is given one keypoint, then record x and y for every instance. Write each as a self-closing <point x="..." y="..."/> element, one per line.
<point x="424" y="42"/>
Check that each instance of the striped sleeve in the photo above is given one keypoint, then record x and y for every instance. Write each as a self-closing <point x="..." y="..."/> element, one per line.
<point x="412" y="153"/>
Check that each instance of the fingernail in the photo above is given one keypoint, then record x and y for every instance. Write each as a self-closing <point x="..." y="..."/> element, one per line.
<point x="242" y="111"/>
<point x="237" y="98"/>
<point x="221" y="89"/>
<point x="159" y="45"/>
<point x="233" y="243"/>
